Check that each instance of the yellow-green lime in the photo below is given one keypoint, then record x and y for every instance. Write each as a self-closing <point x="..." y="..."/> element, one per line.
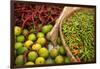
<point x="40" y="60"/>
<point x="32" y="56"/>
<point x="17" y="30"/>
<point x="32" y="37"/>
<point x="29" y="63"/>
<point x="40" y="34"/>
<point x="28" y="43"/>
<point x="36" y="47"/>
<point x="41" y="41"/>
<point x="20" y="38"/>
<point x="19" y="60"/>
<point x="43" y="52"/>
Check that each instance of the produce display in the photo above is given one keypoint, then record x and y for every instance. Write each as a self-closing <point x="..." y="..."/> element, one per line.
<point x="78" y="32"/>
<point x="32" y="24"/>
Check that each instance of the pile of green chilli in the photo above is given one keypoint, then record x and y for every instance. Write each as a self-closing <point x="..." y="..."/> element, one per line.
<point x="78" y="31"/>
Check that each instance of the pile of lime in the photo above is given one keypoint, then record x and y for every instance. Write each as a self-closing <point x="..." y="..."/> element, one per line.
<point x="31" y="46"/>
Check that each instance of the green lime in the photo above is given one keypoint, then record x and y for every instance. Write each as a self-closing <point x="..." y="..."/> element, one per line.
<point x="28" y="43"/>
<point x="46" y="28"/>
<point x="25" y="32"/>
<point x="18" y="45"/>
<point x="50" y="61"/>
<point x="40" y="34"/>
<point x="59" y="59"/>
<point x="41" y="41"/>
<point x="62" y="50"/>
<point x="19" y="60"/>
<point x="40" y="60"/>
<point x="43" y="52"/>
<point x="50" y="26"/>
<point x="21" y="50"/>
<point x="67" y="60"/>
<point x="17" y="30"/>
<point x="32" y="56"/>
<point x="29" y="63"/>
<point x="32" y="37"/>
<point x="54" y="52"/>
<point x="36" y="47"/>
<point x="20" y="38"/>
